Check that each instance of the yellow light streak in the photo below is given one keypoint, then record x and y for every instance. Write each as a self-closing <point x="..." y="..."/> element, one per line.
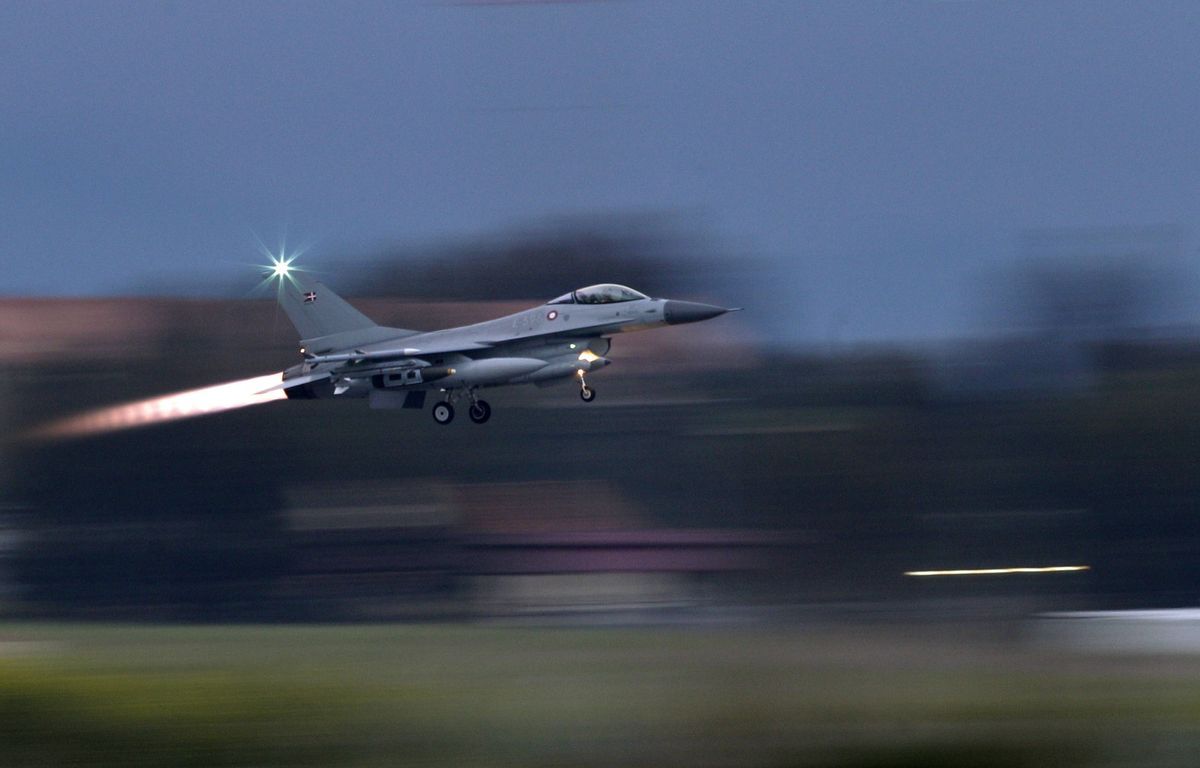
<point x="998" y="571"/>
<point x="589" y="356"/>
<point x="172" y="407"/>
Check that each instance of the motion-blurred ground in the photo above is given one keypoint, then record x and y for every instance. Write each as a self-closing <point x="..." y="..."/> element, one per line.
<point x="470" y="695"/>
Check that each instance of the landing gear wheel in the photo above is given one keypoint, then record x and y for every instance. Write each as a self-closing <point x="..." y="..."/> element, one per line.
<point x="587" y="394"/>
<point x="480" y="411"/>
<point x="443" y="413"/>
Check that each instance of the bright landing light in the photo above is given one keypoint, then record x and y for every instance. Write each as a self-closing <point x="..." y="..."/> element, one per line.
<point x="996" y="571"/>
<point x="172" y="407"/>
<point x="281" y="266"/>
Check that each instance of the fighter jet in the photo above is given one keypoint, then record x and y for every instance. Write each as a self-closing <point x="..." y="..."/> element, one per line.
<point x="347" y="355"/>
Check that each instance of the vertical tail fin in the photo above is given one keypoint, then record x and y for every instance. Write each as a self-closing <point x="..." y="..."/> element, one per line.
<point x="317" y="311"/>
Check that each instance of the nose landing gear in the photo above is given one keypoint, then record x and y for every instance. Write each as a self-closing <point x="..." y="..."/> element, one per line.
<point x="586" y="393"/>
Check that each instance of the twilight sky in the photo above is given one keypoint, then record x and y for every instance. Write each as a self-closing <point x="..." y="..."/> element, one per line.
<point x="882" y="157"/>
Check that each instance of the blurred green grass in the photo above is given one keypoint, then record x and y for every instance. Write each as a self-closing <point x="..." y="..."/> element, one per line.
<point x="108" y="695"/>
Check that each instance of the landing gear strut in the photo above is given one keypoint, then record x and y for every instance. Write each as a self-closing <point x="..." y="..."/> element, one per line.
<point x="586" y="393"/>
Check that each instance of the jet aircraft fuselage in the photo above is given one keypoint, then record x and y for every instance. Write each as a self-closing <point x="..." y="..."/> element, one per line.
<point x="348" y="355"/>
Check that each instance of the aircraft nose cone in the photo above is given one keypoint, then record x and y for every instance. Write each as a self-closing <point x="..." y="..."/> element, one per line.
<point x="676" y="312"/>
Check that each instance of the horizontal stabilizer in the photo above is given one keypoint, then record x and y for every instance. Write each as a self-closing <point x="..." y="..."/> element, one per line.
<point x="296" y="381"/>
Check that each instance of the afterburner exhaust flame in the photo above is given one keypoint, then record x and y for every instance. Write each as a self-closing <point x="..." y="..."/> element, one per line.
<point x="172" y="407"/>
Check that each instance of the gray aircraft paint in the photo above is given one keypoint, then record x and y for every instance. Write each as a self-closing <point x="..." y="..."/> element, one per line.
<point x="349" y="356"/>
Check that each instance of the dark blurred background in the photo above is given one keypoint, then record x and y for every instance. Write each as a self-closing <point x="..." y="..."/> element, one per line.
<point x="722" y="472"/>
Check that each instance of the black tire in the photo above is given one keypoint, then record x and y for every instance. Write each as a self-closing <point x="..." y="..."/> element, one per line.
<point x="443" y="413"/>
<point x="587" y="394"/>
<point x="479" y="411"/>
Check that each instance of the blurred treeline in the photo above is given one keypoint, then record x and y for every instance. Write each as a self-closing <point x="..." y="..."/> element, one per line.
<point x="659" y="253"/>
<point x="1030" y="448"/>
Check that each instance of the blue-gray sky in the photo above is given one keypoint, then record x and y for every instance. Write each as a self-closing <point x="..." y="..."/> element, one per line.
<point x="881" y="156"/>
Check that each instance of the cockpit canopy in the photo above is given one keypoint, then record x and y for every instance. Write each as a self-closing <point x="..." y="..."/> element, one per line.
<point x="605" y="293"/>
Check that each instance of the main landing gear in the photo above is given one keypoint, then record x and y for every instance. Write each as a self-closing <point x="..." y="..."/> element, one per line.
<point x="479" y="410"/>
<point x="443" y="413"/>
<point x="586" y="393"/>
